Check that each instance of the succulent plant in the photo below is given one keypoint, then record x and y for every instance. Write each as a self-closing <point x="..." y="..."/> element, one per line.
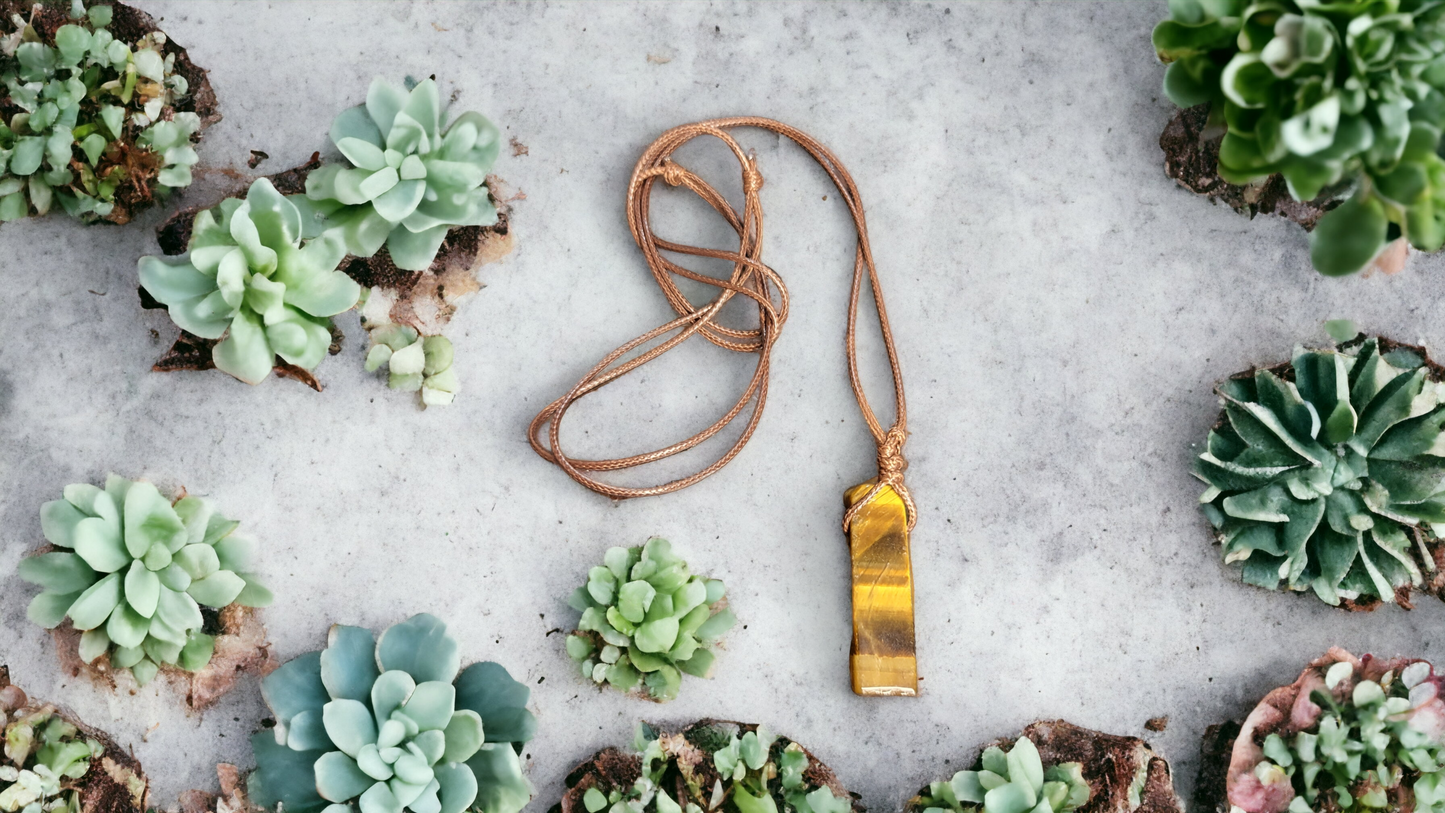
<point x="247" y="277"/>
<point x="1326" y="473"/>
<point x="414" y="362"/>
<point x="96" y="114"/>
<point x="133" y="571"/>
<point x="44" y="756"/>
<point x="390" y="725"/>
<point x="1350" y="731"/>
<point x="646" y="619"/>
<point x="1012" y="782"/>
<point x="1341" y="98"/>
<point x="410" y="180"/>
<point x="714" y="766"/>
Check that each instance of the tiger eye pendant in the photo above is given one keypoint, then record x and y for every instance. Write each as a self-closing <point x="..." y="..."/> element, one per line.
<point x="882" y="661"/>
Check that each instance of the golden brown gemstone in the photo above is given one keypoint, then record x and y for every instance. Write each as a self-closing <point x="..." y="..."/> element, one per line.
<point x="883" y="661"/>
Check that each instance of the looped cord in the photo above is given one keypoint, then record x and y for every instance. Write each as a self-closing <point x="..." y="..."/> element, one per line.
<point x="750" y="278"/>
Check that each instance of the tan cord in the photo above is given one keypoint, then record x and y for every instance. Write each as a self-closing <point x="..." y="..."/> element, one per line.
<point x="750" y="278"/>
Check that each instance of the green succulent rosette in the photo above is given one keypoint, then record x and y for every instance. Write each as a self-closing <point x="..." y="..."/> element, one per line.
<point x="392" y="724"/>
<point x="132" y="572"/>
<point x="646" y="620"/>
<point x="1328" y="473"/>
<point x="248" y="277"/>
<point x="1013" y="781"/>
<point x="97" y="121"/>
<point x="1341" y="98"/>
<point x="710" y="762"/>
<point x="410" y="179"/>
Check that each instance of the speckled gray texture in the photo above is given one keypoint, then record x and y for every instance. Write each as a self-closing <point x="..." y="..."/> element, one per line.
<point x="1061" y="307"/>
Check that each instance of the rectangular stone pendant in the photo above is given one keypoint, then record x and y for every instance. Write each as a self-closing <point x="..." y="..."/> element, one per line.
<point x="882" y="662"/>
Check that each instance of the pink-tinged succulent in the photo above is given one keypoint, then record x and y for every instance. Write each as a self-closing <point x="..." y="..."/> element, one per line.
<point x="1369" y="728"/>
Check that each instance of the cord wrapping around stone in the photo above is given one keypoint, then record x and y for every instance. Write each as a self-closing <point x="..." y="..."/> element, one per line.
<point x="750" y="278"/>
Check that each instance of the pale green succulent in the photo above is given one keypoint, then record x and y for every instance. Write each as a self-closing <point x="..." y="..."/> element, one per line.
<point x="410" y="179"/>
<point x="97" y="117"/>
<point x="1012" y="782"/>
<point x="414" y="362"/>
<point x="646" y="619"/>
<point x="756" y="772"/>
<point x="133" y="572"/>
<point x="1327" y="474"/>
<point x="248" y="277"/>
<point x="390" y="725"/>
<point x="44" y="756"/>
<point x="1377" y="746"/>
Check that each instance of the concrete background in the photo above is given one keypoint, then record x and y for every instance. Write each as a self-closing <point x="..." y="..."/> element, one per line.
<point x="1061" y="307"/>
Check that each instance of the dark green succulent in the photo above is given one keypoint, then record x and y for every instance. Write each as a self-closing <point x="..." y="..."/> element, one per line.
<point x="1341" y="98"/>
<point x="712" y="764"/>
<point x="1327" y="473"/>
<point x="646" y="619"/>
<point x="96" y="116"/>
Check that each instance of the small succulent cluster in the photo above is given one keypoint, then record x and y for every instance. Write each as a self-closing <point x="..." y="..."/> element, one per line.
<point x="392" y="724"/>
<point x="646" y="619"/>
<point x="756" y="772"/>
<point x="133" y="571"/>
<point x="44" y="756"/>
<point x="1012" y="782"/>
<point x="1378" y="743"/>
<point x="414" y="362"/>
<point x="1329" y="473"/>
<point x="97" y="118"/>
<point x="1342" y="99"/>
<point x="410" y="179"/>
<point x="248" y="277"/>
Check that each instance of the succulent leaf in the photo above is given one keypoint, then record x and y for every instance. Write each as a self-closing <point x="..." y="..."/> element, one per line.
<point x="406" y="738"/>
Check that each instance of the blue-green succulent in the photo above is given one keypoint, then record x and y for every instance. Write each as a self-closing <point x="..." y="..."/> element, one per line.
<point x="647" y="619"/>
<point x="392" y="724"/>
<point x="97" y="122"/>
<point x="132" y="571"/>
<point x="410" y="179"/>
<point x="1328" y="473"/>
<point x="248" y="277"/>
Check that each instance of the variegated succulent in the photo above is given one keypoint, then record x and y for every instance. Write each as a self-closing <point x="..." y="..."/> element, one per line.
<point x="132" y="571"/>
<point x="248" y="278"/>
<point x="414" y="362"/>
<point x="390" y="725"/>
<point x="647" y="619"/>
<point x="411" y="180"/>
<point x="1328" y="473"/>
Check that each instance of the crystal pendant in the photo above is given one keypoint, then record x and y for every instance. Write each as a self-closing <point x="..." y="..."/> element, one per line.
<point x="882" y="661"/>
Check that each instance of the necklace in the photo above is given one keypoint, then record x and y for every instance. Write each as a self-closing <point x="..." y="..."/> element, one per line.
<point x="879" y="514"/>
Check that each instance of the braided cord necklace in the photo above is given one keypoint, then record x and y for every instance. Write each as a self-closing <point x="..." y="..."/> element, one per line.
<point x="879" y="514"/>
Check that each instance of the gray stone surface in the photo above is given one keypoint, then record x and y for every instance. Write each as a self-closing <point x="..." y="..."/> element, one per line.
<point x="1061" y="307"/>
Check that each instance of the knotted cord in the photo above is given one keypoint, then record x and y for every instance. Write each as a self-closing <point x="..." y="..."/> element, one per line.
<point x="750" y="278"/>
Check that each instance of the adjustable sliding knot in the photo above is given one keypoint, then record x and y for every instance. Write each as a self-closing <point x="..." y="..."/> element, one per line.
<point x="674" y="174"/>
<point x="752" y="179"/>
